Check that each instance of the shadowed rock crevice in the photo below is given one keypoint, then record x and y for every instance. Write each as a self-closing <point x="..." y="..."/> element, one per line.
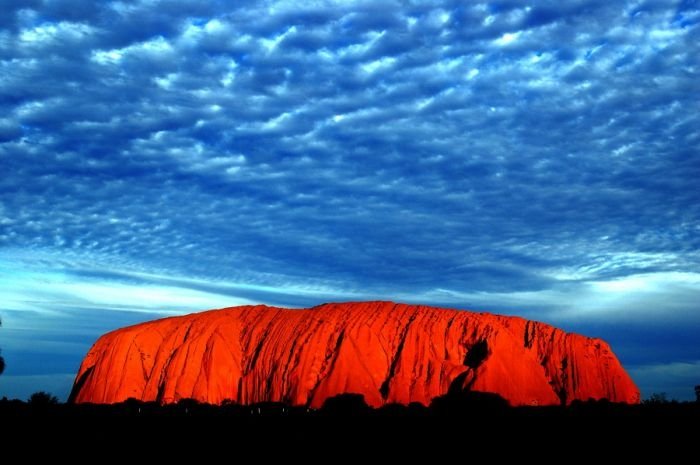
<point x="459" y="384"/>
<point x="564" y="376"/>
<point x="386" y="385"/>
<point x="326" y="367"/>
<point x="79" y="382"/>
<point x="529" y="334"/>
<point x="477" y="354"/>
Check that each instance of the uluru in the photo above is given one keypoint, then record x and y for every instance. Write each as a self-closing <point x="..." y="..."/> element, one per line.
<point x="389" y="353"/>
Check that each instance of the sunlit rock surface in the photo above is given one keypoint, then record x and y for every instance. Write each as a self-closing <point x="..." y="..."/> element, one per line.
<point x="387" y="352"/>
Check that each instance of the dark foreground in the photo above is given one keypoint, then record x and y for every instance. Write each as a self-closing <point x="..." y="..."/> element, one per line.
<point x="457" y="424"/>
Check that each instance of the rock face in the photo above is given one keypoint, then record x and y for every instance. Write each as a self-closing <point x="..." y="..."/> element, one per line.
<point x="387" y="352"/>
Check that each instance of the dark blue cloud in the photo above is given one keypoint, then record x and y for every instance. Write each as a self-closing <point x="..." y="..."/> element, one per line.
<point x="539" y="160"/>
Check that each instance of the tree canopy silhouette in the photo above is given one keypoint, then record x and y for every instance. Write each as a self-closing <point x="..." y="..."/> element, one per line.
<point x="657" y="398"/>
<point x="42" y="399"/>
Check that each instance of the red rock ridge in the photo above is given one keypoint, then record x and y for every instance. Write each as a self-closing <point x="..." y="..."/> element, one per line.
<point x="387" y="352"/>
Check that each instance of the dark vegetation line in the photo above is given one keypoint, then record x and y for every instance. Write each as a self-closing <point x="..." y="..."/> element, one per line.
<point x="468" y="403"/>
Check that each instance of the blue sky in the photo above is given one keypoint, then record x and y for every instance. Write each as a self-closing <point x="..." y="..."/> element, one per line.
<point x="161" y="157"/>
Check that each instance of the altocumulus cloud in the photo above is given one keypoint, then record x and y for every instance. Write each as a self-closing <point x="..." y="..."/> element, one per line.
<point x="167" y="156"/>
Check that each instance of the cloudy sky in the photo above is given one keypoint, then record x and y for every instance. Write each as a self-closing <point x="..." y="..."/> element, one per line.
<point x="161" y="157"/>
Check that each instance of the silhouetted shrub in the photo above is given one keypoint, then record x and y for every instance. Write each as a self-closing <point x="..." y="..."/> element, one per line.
<point x="657" y="398"/>
<point x="42" y="399"/>
<point x="393" y="410"/>
<point x="414" y="409"/>
<point x="269" y="409"/>
<point x="345" y="404"/>
<point x="417" y="409"/>
<point x="595" y="407"/>
<point x="457" y="403"/>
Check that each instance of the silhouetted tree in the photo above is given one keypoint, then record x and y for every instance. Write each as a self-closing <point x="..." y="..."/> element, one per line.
<point x="347" y="404"/>
<point x="42" y="399"/>
<point x="697" y="393"/>
<point x="468" y="402"/>
<point x="657" y="398"/>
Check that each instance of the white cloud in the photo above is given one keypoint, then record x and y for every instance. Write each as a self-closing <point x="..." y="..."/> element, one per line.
<point x="271" y="44"/>
<point x="50" y="32"/>
<point x="373" y="66"/>
<point x="107" y="56"/>
<point x="20" y="292"/>
<point x="277" y="120"/>
<point x="507" y="38"/>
